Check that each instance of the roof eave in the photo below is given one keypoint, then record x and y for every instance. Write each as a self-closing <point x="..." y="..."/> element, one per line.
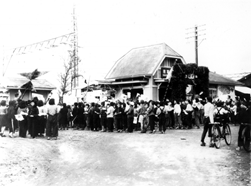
<point x="36" y="88"/>
<point x="134" y="76"/>
<point x="224" y="83"/>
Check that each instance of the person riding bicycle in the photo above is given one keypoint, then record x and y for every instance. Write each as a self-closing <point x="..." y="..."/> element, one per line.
<point x="221" y="112"/>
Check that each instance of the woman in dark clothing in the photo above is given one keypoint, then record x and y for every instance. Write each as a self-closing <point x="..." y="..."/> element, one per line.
<point x="162" y="119"/>
<point x="23" y="124"/>
<point x="118" y="117"/>
<point x="63" y="117"/>
<point x="90" y="116"/>
<point x="69" y="116"/>
<point x="124" y="116"/>
<point x="130" y="116"/>
<point x="151" y="115"/>
<point x="11" y="111"/>
<point x="75" y="115"/>
<point x="28" y="120"/>
<point x="33" y="117"/>
<point x="80" y="115"/>
<point x="103" y="117"/>
<point x="96" y="121"/>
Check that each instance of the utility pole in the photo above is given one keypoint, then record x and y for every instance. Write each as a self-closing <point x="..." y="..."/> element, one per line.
<point x="196" y="44"/>
<point x="195" y="34"/>
<point x="75" y="73"/>
<point x="75" y="50"/>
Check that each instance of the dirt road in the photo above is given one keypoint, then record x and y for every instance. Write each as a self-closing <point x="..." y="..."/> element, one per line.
<point x="96" y="158"/>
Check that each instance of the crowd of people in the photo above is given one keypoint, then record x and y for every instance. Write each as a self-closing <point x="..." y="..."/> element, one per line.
<point x="34" y="118"/>
<point x="128" y="116"/>
<point x="31" y="118"/>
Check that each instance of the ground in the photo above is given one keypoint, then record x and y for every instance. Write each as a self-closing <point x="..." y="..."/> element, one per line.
<point x="96" y="158"/>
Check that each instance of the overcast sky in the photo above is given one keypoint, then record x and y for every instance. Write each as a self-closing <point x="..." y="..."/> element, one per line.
<point x="109" y="29"/>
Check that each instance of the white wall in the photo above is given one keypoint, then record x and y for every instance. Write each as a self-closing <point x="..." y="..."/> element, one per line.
<point x="223" y="90"/>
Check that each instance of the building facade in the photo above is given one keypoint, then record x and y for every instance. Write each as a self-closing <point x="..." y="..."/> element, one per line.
<point x="143" y="71"/>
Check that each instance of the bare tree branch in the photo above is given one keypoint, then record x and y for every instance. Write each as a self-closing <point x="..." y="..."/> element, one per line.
<point x="67" y="76"/>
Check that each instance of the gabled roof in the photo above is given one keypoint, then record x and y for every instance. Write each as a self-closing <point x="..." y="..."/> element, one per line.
<point x="141" y="61"/>
<point x="38" y="84"/>
<point x="221" y="80"/>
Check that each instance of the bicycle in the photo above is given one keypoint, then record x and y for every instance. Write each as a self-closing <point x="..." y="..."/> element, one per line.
<point x="246" y="137"/>
<point x="221" y="130"/>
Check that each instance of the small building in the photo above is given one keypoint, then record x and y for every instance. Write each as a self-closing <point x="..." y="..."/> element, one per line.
<point x="41" y="88"/>
<point x="144" y="70"/>
<point x="245" y="79"/>
<point x="220" y="85"/>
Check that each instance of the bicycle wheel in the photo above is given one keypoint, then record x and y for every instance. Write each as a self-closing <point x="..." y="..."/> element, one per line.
<point x="216" y="136"/>
<point x="227" y="134"/>
<point x="247" y="139"/>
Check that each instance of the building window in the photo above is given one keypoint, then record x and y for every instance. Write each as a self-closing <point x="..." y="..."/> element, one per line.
<point x="164" y="72"/>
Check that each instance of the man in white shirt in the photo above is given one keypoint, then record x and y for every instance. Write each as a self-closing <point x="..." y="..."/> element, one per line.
<point x="110" y="115"/>
<point x="208" y="118"/>
<point x="189" y="111"/>
<point x="177" y="116"/>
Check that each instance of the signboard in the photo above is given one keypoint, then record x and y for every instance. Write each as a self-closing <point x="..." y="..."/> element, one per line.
<point x="191" y="76"/>
<point x="164" y="72"/>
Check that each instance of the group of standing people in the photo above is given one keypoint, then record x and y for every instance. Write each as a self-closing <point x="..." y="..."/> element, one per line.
<point x="139" y="115"/>
<point x="146" y="116"/>
<point x="32" y="118"/>
<point x="106" y="116"/>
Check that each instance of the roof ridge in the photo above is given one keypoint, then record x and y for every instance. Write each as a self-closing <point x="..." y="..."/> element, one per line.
<point x="236" y="73"/>
<point x="149" y="46"/>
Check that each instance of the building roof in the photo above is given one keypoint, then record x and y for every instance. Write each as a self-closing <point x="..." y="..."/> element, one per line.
<point x="238" y="76"/>
<point x="222" y="80"/>
<point x="38" y="84"/>
<point x="141" y="61"/>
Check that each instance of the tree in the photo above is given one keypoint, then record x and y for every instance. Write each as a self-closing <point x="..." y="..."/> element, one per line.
<point x="68" y="75"/>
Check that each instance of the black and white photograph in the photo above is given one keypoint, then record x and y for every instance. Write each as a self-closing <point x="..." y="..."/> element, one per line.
<point x="125" y="93"/>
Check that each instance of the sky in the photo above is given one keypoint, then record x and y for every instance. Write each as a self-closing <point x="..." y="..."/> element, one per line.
<point x="109" y="29"/>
